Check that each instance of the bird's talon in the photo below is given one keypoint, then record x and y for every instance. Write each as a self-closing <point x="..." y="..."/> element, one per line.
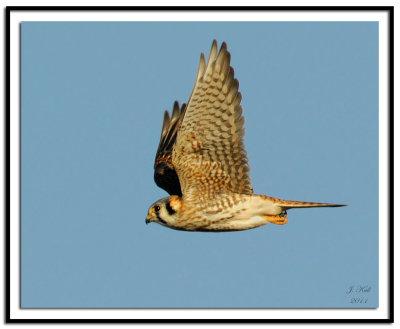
<point x="280" y="219"/>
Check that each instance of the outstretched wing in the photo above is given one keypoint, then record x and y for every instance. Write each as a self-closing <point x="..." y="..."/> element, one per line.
<point x="165" y="175"/>
<point x="209" y="154"/>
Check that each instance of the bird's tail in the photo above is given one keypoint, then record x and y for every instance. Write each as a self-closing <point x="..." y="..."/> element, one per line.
<point x="286" y="204"/>
<point x="280" y="207"/>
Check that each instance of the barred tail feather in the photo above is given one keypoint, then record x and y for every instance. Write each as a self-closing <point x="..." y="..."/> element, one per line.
<point x="286" y="204"/>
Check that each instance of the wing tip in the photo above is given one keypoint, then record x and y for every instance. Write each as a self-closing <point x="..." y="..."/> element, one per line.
<point x="202" y="67"/>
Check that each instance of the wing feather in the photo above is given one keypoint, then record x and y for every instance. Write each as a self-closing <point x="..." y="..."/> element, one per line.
<point x="209" y="153"/>
<point x="165" y="174"/>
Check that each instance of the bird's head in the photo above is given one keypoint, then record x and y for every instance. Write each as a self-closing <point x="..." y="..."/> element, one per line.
<point x="164" y="211"/>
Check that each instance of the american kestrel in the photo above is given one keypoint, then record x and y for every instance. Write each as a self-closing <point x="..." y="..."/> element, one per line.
<point x="202" y="163"/>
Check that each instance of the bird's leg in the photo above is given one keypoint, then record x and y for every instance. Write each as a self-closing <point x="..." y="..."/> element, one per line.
<point x="280" y="219"/>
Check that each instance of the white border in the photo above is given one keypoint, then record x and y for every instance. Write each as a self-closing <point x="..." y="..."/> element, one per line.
<point x="19" y="16"/>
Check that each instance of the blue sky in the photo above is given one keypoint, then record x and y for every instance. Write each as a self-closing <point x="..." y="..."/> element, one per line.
<point x="93" y="96"/>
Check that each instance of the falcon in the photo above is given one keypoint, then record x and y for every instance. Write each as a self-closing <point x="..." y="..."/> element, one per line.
<point x="202" y="163"/>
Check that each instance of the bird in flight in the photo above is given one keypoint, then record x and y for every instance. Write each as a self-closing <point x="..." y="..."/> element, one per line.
<point x="202" y="163"/>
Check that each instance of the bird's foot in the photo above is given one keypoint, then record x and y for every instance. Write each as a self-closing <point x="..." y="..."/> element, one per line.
<point x="280" y="219"/>
<point x="283" y="214"/>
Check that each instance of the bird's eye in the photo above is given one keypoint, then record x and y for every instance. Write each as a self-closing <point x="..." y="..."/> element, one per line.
<point x="157" y="208"/>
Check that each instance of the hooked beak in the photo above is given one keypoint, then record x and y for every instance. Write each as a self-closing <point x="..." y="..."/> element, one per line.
<point x="148" y="219"/>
